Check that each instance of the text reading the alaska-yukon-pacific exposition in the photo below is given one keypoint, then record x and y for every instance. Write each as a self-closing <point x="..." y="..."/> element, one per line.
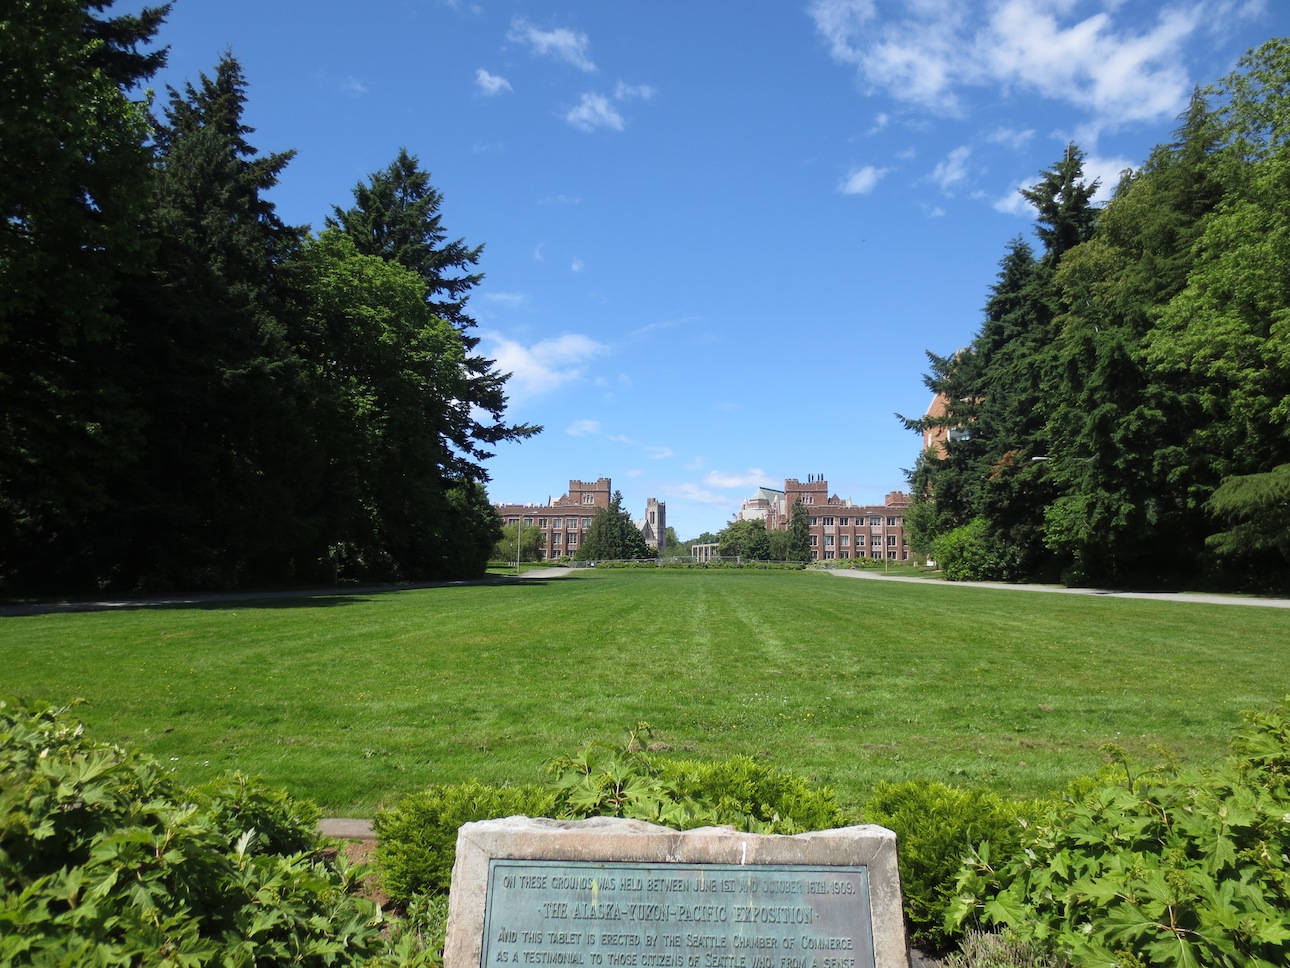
<point x="601" y="915"/>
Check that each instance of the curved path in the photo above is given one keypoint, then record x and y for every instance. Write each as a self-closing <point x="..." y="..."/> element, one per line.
<point x="1190" y="597"/>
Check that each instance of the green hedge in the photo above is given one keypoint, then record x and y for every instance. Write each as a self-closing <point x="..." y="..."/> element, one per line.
<point x="936" y="827"/>
<point x="417" y="838"/>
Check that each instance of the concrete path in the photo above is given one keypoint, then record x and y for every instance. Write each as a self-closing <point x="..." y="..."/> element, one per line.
<point x="1189" y="597"/>
<point x="345" y="829"/>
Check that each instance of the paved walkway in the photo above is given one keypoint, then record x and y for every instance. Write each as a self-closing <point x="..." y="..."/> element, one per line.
<point x="1190" y="597"/>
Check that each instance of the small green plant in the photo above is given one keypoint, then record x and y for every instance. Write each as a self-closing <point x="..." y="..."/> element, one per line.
<point x="417" y="839"/>
<point x="604" y="780"/>
<point x="936" y="827"/>
<point x="1169" y="867"/>
<point x="981" y="950"/>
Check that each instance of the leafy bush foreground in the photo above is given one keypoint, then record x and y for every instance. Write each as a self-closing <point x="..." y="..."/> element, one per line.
<point x="104" y="861"/>
<point x="1172" y="867"/>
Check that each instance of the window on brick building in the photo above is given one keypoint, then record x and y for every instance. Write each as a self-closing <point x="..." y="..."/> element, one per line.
<point x="586" y="522"/>
<point x="828" y="521"/>
<point x="815" y="540"/>
<point x="892" y="522"/>
<point x="844" y="521"/>
<point x="891" y="540"/>
<point x="828" y="541"/>
<point x="541" y="522"/>
<point x="557" y="522"/>
<point x="875" y="521"/>
<point x="846" y="541"/>
<point x="859" y="541"/>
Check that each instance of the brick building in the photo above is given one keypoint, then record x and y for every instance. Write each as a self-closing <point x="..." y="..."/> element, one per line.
<point x="839" y="528"/>
<point x="564" y="522"/>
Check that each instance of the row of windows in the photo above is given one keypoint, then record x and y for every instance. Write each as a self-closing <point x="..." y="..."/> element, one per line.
<point x="891" y="555"/>
<point x="555" y="522"/>
<point x="875" y="521"/>
<point x="846" y="540"/>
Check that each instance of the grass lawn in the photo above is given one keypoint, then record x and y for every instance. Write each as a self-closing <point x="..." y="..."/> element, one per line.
<point x="356" y="699"/>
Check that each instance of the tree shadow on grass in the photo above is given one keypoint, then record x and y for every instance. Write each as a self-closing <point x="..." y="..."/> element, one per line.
<point x="232" y="601"/>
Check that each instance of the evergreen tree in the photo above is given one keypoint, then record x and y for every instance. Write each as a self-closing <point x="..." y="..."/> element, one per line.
<point x="396" y="216"/>
<point x="1119" y="433"/>
<point x="799" y="534"/>
<point x="215" y="499"/>
<point x="613" y="536"/>
<point x="74" y="188"/>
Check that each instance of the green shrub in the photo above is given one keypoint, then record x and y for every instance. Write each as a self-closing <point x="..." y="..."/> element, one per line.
<point x="936" y="827"/>
<point x="752" y="796"/>
<point x="1170" y="867"/>
<point x="971" y="553"/>
<point x="604" y="780"/>
<point x="417" y="838"/>
<point x="104" y="861"/>
<point x="279" y="824"/>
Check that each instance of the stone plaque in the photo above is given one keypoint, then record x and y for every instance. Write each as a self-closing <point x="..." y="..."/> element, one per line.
<point x="676" y="916"/>
<point x="607" y="893"/>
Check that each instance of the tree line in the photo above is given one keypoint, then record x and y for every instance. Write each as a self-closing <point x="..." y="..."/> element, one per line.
<point x="193" y="393"/>
<point x="1122" y="414"/>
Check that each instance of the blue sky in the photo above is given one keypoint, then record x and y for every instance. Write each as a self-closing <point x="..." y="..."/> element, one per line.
<point x="719" y="235"/>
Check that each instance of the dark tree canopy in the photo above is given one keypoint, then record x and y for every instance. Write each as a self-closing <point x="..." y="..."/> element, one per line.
<point x="1127" y="394"/>
<point x="193" y="393"/>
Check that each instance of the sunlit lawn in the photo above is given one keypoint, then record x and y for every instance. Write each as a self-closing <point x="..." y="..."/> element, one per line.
<point x="355" y="699"/>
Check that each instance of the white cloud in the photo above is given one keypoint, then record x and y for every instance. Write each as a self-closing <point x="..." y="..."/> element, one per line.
<point x="631" y="92"/>
<point x="576" y="265"/>
<point x="861" y="181"/>
<point x="699" y="495"/>
<point x="933" y="50"/>
<point x="559" y="200"/>
<point x="952" y="169"/>
<point x="594" y="111"/>
<point x="560" y="43"/>
<point x="1107" y="171"/>
<point x="491" y="84"/>
<point x="748" y="480"/>
<point x="1010" y="138"/>
<point x="354" y="86"/>
<point x="583" y="428"/>
<point x="1013" y="203"/>
<point x="653" y="451"/>
<point x="512" y="300"/>
<point x="544" y="366"/>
